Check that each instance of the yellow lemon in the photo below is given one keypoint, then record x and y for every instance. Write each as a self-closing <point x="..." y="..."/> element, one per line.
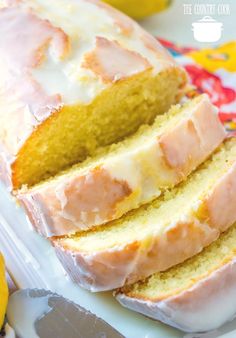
<point x="3" y="291"/>
<point x="139" y="9"/>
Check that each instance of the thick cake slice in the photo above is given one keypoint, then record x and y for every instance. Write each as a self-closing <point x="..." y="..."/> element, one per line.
<point x="159" y="235"/>
<point x="75" y="75"/>
<point x="195" y="296"/>
<point x="127" y="175"/>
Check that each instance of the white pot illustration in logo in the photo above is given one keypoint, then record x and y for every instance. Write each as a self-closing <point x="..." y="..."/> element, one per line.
<point x="207" y="30"/>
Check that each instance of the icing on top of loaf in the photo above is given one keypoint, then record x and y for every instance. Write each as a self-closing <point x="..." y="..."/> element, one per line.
<point x="122" y="62"/>
<point x="58" y="52"/>
<point x="59" y="37"/>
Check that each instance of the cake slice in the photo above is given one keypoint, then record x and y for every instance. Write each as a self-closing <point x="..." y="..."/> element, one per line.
<point x="195" y="296"/>
<point x="75" y="75"/>
<point x="126" y="175"/>
<point x="158" y="235"/>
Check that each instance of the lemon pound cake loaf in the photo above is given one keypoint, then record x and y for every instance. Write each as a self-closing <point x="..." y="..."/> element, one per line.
<point x="75" y="75"/>
<point x="155" y="237"/>
<point x="195" y="296"/>
<point x="127" y="175"/>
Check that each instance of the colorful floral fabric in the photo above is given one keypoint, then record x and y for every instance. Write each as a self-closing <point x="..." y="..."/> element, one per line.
<point x="212" y="71"/>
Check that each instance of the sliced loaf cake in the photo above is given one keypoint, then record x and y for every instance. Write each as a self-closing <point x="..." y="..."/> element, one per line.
<point x="195" y="296"/>
<point x="124" y="176"/>
<point x="155" y="237"/>
<point x="75" y="75"/>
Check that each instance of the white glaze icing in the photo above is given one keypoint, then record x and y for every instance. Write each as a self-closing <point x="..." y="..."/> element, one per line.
<point x="165" y="245"/>
<point x="112" y="268"/>
<point x="224" y="195"/>
<point x="205" y="306"/>
<point x="70" y="79"/>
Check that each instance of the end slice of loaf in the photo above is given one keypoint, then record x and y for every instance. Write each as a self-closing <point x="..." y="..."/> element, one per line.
<point x="86" y="77"/>
<point x="158" y="235"/>
<point x="128" y="175"/>
<point x="195" y="296"/>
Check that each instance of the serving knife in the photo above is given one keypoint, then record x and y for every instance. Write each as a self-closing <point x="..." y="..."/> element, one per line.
<point x="42" y="314"/>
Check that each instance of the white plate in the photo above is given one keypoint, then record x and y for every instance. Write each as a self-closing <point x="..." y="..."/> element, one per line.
<point x="33" y="263"/>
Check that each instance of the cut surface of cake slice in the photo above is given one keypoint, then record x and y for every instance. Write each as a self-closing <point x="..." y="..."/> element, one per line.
<point x="126" y="175"/>
<point x="195" y="296"/>
<point x="87" y="77"/>
<point x="172" y="228"/>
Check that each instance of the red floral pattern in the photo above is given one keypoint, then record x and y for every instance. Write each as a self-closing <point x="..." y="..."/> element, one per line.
<point x="211" y="78"/>
<point x="210" y="84"/>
